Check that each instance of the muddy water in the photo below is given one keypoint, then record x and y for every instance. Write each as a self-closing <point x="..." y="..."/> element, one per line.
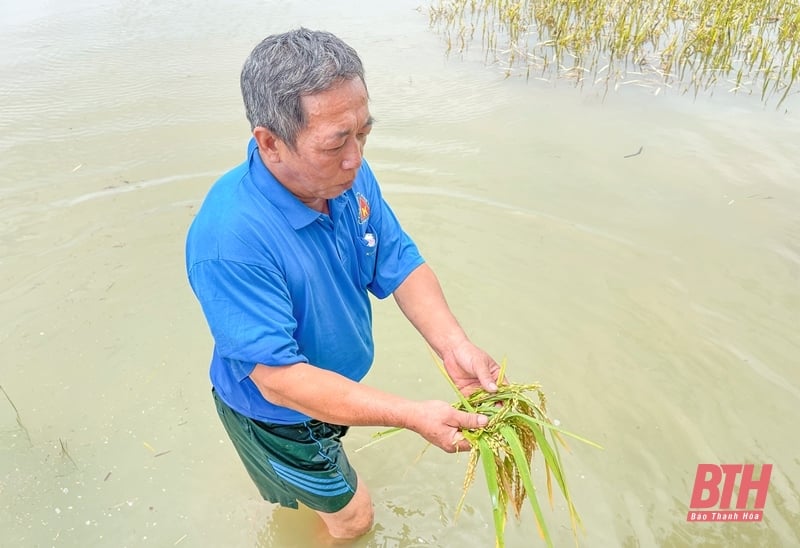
<point x="656" y="296"/>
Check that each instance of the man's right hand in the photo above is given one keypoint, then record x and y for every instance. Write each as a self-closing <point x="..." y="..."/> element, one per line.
<point x="441" y="424"/>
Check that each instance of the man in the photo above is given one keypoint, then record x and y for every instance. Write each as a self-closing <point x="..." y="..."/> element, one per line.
<point x="282" y="255"/>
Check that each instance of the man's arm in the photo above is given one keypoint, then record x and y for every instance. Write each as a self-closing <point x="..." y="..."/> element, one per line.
<point x="330" y="397"/>
<point x="421" y="299"/>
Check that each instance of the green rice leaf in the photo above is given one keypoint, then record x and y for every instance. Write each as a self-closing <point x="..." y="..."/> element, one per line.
<point x="552" y="463"/>
<point x="573" y="513"/>
<point x="490" y="471"/>
<point x="517" y="451"/>
<point x="380" y="436"/>
<point x="552" y="426"/>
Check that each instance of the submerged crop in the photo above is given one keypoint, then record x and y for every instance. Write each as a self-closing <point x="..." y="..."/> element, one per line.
<point x="746" y="45"/>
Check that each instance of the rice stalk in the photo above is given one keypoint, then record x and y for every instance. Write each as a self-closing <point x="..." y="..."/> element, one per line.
<point x="518" y="426"/>
<point x="693" y="44"/>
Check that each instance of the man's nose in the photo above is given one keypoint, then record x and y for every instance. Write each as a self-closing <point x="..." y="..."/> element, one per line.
<point x="353" y="153"/>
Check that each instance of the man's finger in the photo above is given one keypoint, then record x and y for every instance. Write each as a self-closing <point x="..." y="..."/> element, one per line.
<point x="472" y="421"/>
<point x="486" y="378"/>
<point x="460" y="444"/>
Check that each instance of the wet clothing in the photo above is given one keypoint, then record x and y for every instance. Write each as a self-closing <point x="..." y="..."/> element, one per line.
<point x="281" y="283"/>
<point x="293" y="463"/>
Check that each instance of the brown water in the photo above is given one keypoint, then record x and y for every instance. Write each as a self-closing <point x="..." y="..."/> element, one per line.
<point x="656" y="297"/>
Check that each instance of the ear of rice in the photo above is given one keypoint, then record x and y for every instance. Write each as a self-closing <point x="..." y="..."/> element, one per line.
<point x="506" y="447"/>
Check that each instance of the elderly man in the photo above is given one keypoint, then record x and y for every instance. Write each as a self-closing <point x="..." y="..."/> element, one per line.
<point x="282" y="257"/>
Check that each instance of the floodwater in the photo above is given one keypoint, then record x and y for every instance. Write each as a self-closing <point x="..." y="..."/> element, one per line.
<point x="656" y="297"/>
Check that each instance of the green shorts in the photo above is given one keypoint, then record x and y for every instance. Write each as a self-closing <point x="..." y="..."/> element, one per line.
<point x="291" y="463"/>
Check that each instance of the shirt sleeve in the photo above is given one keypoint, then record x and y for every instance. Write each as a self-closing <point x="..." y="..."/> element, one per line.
<point x="397" y="254"/>
<point x="249" y="312"/>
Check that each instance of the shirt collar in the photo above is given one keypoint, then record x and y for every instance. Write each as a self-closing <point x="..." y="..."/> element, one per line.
<point x="296" y="212"/>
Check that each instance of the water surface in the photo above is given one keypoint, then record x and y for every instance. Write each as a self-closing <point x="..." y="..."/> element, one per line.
<point x="655" y="296"/>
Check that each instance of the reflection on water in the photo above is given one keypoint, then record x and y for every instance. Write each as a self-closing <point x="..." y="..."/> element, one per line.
<point x="655" y="296"/>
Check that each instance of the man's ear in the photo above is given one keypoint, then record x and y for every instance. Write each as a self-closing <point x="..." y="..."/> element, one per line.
<point x="267" y="144"/>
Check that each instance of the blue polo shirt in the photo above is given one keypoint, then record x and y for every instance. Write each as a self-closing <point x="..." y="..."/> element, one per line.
<point x="280" y="283"/>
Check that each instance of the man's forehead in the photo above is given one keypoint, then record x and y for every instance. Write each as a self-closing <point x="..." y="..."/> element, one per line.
<point x="333" y="130"/>
<point x="345" y="132"/>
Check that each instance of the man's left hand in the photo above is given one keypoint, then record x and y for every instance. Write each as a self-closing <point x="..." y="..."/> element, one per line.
<point x="471" y="368"/>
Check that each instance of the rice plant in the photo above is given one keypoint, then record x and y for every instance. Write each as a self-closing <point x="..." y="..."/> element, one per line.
<point x="506" y="446"/>
<point x="518" y="426"/>
<point x="747" y="45"/>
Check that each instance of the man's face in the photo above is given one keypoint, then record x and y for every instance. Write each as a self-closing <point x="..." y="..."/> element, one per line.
<point x="328" y="151"/>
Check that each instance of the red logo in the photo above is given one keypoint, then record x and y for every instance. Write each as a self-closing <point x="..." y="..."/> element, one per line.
<point x="713" y="492"/>
<point x="363" y="208"/>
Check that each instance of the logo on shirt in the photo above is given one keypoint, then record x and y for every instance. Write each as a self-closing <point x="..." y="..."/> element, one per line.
<point x="363" y="208"/>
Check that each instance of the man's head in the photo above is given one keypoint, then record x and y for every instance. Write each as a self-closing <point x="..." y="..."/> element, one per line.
<point x="284" y="68"/>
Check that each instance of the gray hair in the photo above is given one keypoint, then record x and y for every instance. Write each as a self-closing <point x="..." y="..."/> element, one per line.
<point x="285" y="67"/>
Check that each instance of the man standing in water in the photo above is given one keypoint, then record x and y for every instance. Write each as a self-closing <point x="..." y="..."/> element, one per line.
<point x="282" y="256"/>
